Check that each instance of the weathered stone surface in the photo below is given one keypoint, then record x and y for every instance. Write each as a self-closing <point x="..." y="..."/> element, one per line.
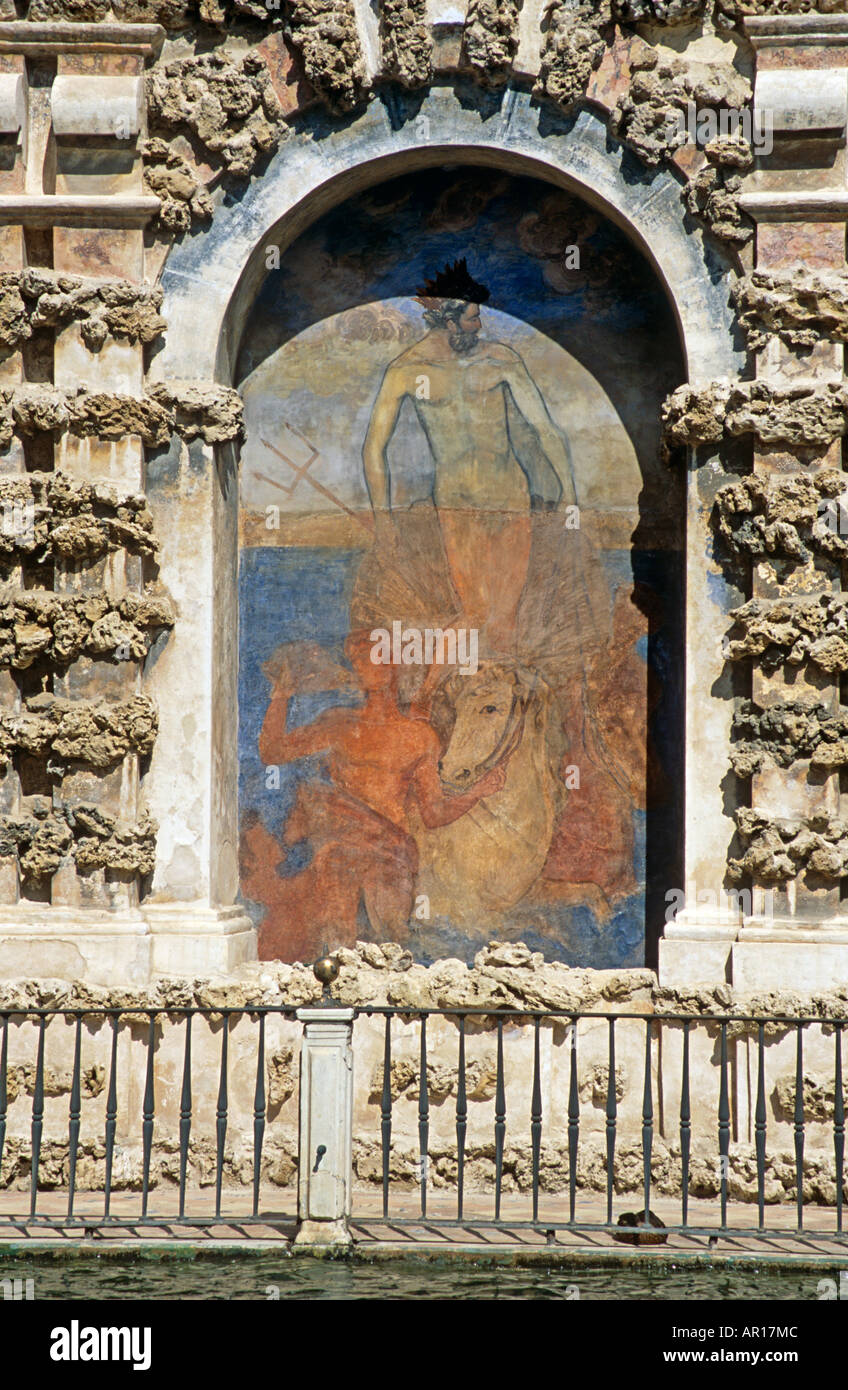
<point x="778" y="848"/>
<point x="325" y="33"/>
<point x="228" y="105"/>
<point x="199" y="410"/>
<point x="576" y="33"/>
<point x="36" y="298"/>
<point x="743" y="9"/>
<point x="819" y="1095"/>
<point x="803" y="414"/>
<point x="406" y="42"/>
<point x="95" y="733"/>
<point x="490" y="39"/>
<point x="801" y="306"/>
<point x="713" y="194"/>
<point x="174" y="15"/>
<point x="52" y="514"/>
<point x="794" y="517"/>
<point x="47" y="835"/>
<point x="660" y="11"/>
<point x="184" y="199"/>
<point x="21" y="1080"/>
<point x="39" y="625"/>
<point x="194" y="410"/>
<point x="649" y="116"/>
<point x="785" y="732"/>
<point x="792" y="631"/>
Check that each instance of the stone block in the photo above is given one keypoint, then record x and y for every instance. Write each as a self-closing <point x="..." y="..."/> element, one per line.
<point x="98" y="106"/>
<point x="802" y="102"/>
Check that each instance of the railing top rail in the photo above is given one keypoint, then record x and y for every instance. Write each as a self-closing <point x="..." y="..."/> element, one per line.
<point x="145" y="1010"/>
<point x="290" y="1011"/>
<point x="645" y="1016"/>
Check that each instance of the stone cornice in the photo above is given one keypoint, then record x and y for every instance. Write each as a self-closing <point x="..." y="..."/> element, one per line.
<point x="44" y="39"/>
<point x="78" y="210"/>
<point x="796" y="30"/>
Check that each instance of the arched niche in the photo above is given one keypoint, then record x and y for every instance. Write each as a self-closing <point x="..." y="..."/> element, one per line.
<point x="212" y="281"/>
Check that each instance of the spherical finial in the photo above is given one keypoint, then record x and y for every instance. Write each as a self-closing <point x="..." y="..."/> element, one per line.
<point x="326" y="969"/>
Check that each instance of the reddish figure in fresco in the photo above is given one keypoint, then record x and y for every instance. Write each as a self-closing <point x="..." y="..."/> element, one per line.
<point x="381" y="763"/>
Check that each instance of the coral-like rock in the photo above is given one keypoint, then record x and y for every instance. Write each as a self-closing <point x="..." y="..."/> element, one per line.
<point x="792" y="631"/>
<point x="795" y="517"/>
<point x="201" y="411"/>
<point x="229" y="106"/>
<point x="802" y="414"/>
<point x="171" y="178"/>
<point x="660" y="11"/>
<point x="785" y="732"/>
<point x="48" y="837"/>
<point x="52" y="514"/>
<point x="326" y="35"/>
<point x="193" y="410"/>
<point x="576" y="33"/>
<point x="713" y="194"/>
<point x="651" y="115"/>
<point x="800" y="306"/>
<point x="777" y="849"/>
<point x="406" y="42"/>
<point x="37" y="624"/>
<point x="490" y="39"/>
<point x="96" y="733"/>
<point x="37" y="298"/>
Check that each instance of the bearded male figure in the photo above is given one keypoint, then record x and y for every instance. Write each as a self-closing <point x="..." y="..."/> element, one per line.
<point x="496" y="451"/>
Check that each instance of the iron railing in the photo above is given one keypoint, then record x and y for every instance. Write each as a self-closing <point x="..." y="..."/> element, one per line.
<point x="152" y="1099"/>
<point x="533" y="1120"/>
<point x="120" y="1022"/>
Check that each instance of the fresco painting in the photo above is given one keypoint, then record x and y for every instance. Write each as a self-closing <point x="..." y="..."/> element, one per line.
<point x="458" y="688"/>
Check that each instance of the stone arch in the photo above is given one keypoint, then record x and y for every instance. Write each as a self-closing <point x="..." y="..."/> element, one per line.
<point x="210" y="282"/>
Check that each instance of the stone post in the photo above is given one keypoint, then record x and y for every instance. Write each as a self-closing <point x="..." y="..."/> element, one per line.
<point x="326" y="1127"/>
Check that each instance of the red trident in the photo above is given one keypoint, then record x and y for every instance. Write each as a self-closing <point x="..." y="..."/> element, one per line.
<point x="301" y="471"/>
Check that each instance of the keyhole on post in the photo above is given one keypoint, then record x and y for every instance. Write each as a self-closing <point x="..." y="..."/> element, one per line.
<point x="319" y="1154"/>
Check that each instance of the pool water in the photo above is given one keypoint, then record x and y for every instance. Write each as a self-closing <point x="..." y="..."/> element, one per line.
<point x="273" y="1276"/>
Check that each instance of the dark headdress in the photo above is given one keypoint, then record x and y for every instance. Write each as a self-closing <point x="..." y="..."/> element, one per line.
<point x="454" y="282"/>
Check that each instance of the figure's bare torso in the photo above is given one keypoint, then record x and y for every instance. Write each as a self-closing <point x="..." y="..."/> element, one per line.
<point x="462" y="407"/>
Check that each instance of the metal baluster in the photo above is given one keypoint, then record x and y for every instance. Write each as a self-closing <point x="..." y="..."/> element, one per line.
<point x="185" y="1114"/>
<point x="37" y="1116"/>
<point x="423" y="1115"/>
<point x="74" y="1118"/>
<point x="111" y="1114"/>
<point x="221" y="1116"/>
<point x="536" y="1119"/>
<point x="685" y="1127"/>
<point x="799" y="1121"/>
<point x="258" y="1114"/>
<point x="461" y="1121"/>
<point x="573" y="1124"/>
<point x="760" y="1125"/>
<point x="386" y="1111"/>
<point x="838" y="1125"/>
<point x="612" y="1119"/>
<point x="4" y="1099"/>
<point x="500" y="1122"/>
<point x="148" y="1111"/>
<point x="723" y="1126"/>
<point x="647" y="1121"/>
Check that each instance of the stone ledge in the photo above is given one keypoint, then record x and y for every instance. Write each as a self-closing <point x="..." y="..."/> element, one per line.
<point x="505" y="975"/>
<point x="795" y="30"/>
<point x="41" y="39"/>
<point x="77" y="210"/>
